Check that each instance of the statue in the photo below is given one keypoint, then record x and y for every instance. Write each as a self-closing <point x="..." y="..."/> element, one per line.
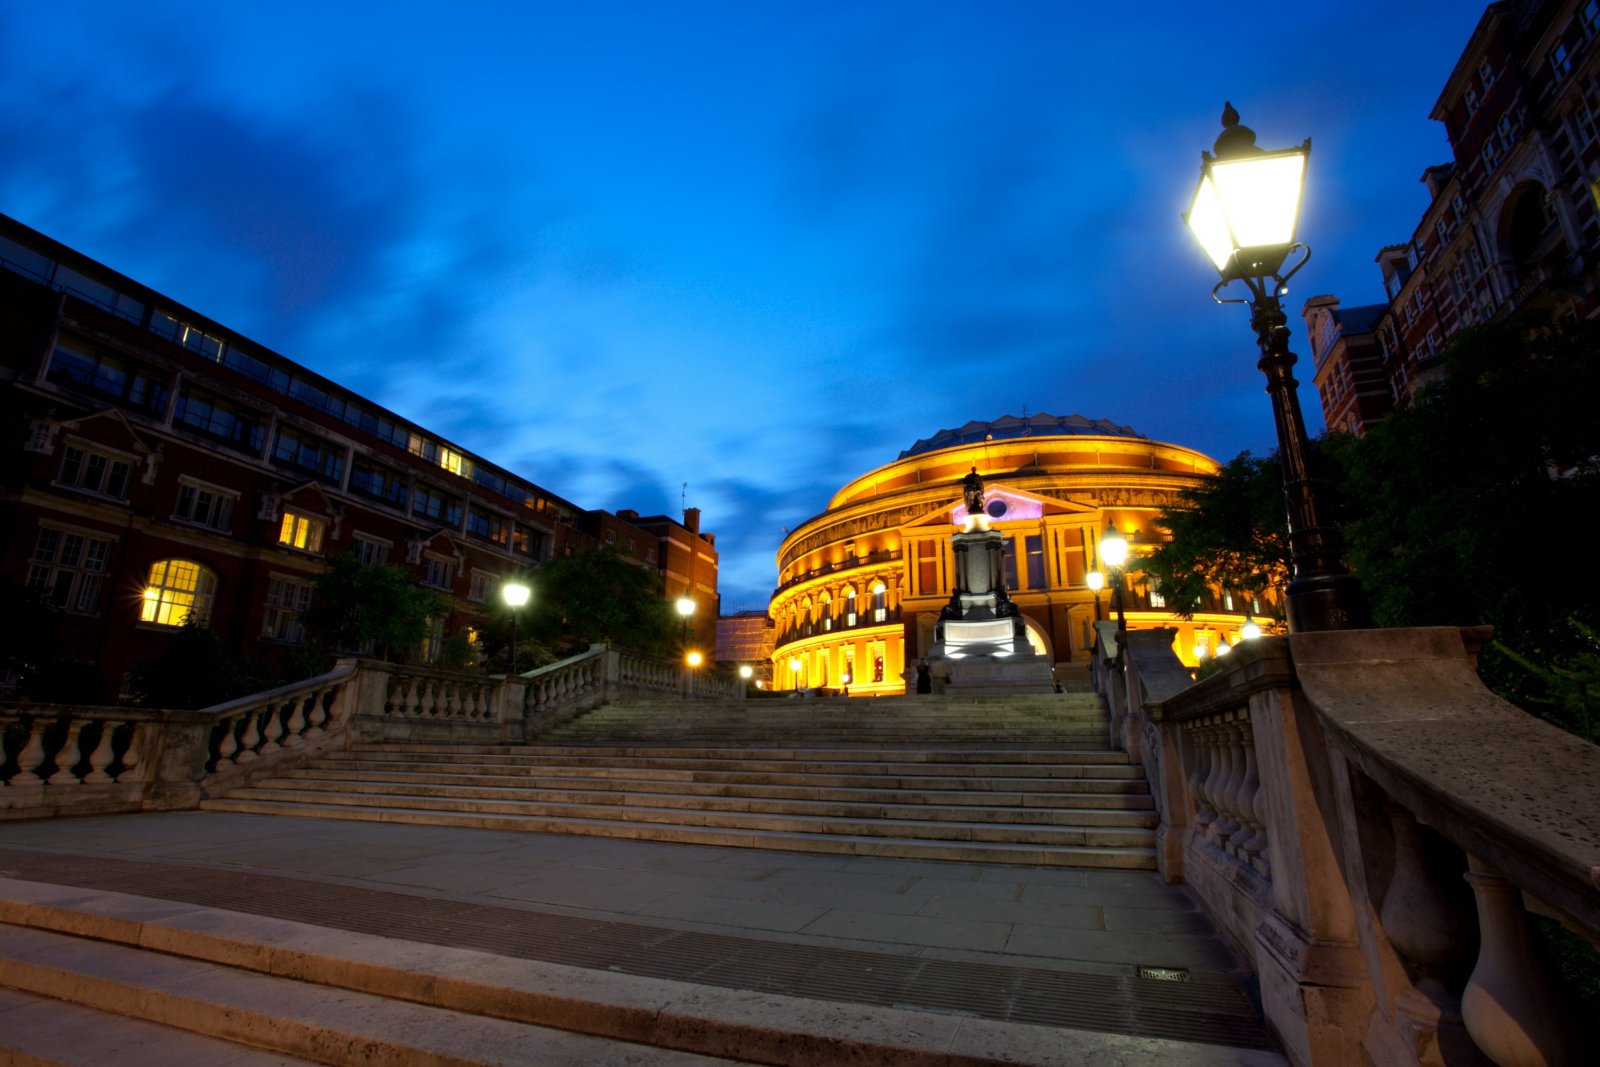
<point x="972" y="491"/>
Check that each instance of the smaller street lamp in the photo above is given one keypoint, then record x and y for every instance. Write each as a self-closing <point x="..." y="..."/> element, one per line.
<point x="1114" y="553"/>
<point x="746" y="671"/>
<point x="1096" y="581"/>
<point x="1251" y="629"/>
<point x="685" y="606"/>
<point x="694" y="659"/>
<point x="515" y="593"/>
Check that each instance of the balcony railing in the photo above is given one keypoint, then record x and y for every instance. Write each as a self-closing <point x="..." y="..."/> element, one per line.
<point x="1373" y="830"/>
<point x="842" y="624"/>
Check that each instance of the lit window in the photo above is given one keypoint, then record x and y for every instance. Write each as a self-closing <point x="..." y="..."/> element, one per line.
<point x="300" y="531"/>
<point x="880" y="601"/>
<point x="433" y="641"/>
<point x="178" y="590"/>
<point x="450" y="460"/>
<point x="94" y="472"/>
<point x="204" y="506"/>
<point x="69" y="568"/>
<point x="850" y="607"/>
<point x="287" y="600"/>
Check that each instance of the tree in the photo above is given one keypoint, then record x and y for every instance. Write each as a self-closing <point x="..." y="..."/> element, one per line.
<point x="599" y="595"/>
<point x="359" y="607"/>
<point x="1227" y="534"/>
<point x="196" y="669"/>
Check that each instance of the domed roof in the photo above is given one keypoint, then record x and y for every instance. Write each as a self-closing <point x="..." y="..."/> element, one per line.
<point x="1008" y="426"/>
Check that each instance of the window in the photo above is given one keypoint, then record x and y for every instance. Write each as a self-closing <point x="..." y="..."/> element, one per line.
<point x="927" y="568"/>
<point x="1490" y="155"/>
<point x="1008" y="561"/>
<point x="1560" y="61"/>
<point x="115" y="379"/>
<point x="877" y="663"/>
<point x="300" y="531"/>
<point x="480" y="586"/>
<point x="190" y="337"/>
<point x="178" y="590"/>
<point x="1508" y="132"/>
<point x="850" y="607"/>
<point x="492" y="527"/>
<point x="372" y="552"/>
<point x="1458" y="204"/>
<point x="1441" y="230"/>
<point x="1471" y="99"/>
<point x="204" y="506"/>
<point x="1589" y="17"/>
<point x="287" y="600"/>
<point x="1034" y="545"/>
<point x="380" y="483"/>
<point x="433" y="641"/>
<point x="880" y="604"/>
<point x="218" y="418"/>
<point x="437" y="572"/>
<point x="1583" y="124"/>
<point x="433" y="504"/>
<point x="526" y="542"/>
<point x="95" y="472"/>
<point x="1157" y="598"/>
<point x="826" y="609"/>
<point x="1486" y="74"/>
<point x="69" y="568"/>
<point x="319" y="458"/>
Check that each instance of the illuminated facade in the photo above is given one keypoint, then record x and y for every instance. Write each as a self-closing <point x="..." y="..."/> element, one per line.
<point x="860" y="586"/>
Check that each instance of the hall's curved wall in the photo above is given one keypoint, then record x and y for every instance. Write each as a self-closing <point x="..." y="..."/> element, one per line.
<point x="860" y="586"/>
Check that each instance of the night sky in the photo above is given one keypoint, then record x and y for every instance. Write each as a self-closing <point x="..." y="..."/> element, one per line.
<point x="758" y="248"/>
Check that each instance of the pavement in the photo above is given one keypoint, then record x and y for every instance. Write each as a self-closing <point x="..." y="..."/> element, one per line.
<point x="1090" y="950"/>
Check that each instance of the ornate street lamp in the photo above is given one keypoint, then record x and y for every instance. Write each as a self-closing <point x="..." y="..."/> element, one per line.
<point x="685" y="606"/>
<point x="1244" y="214"/>
<point x="1250" y="630"/>
<point x="1096" y="582"/>
<point x="515" y="593"/>
<point x="1114" y="553"/>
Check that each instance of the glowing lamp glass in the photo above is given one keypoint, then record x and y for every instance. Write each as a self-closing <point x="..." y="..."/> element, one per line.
<point x="1113" y="548"/>
<point x="745" y="671"/>
<point x="685" y="606"/>
<point x="694" y="659"/>
<point x="1250" y="630"/>
<point x="1245" y="210"/>
<point x="1095" y="580"/>
<point x="515" y="594"/>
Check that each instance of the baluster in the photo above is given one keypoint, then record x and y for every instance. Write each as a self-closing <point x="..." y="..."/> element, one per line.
<point x="1227" y="823"/>
<point x="67" y="757"/>
<point x="296" y="726"/>
<point x="1200" y="756"/>
<point x="250" y="738"/>
<point x="317" y="712"/>
<point x="271" y="729"/>
<point x="101" y="757"/>
<point x="31" y="758"/>
<point x="131" y="757"/>
<point x="227" y="743"/>
<point x="1510" y="1005"/>
<point x="1217" y="828"/>
<point x="1253" y="837"/>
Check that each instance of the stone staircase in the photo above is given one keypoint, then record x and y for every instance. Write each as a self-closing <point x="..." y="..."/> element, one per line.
<point x="1020" y="779"/>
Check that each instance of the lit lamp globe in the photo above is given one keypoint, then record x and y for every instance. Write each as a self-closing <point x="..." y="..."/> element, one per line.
<point x="1250" y="630"/>
<point x="694" y="659"/>
<point x="515" y="594"/>
<point x="1095" y="581"/>
<point x="1113" y="547"/>
<point x="746" y="671"/>
<point x="1247" y="204"/>
<point x="685" y="606"/>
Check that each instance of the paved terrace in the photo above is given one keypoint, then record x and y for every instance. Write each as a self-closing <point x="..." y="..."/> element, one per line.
<point x="961" y="950"/>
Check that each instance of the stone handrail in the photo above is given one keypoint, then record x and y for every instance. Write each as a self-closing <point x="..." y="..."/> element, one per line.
<point x="1371" y="828"/>
<point x="66" y="759"/>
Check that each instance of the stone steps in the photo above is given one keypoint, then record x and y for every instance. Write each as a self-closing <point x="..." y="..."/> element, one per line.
<point x="247" y="1010"/>
<point x="768" y="781"/>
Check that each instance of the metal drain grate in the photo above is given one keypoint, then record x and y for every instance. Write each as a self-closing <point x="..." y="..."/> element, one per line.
<point x="1162" y="974"/>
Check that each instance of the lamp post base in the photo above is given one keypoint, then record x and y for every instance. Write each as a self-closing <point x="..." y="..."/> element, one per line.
<point x="1327" y="602"/>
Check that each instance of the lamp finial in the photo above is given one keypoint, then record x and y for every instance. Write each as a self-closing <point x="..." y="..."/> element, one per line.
<point x="1235" y="140"/>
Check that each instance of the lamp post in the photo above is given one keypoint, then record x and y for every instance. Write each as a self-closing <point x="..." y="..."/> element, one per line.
<point x="1244" y="214"/>
<point x="685" y="606"/>
<point x="1096" y="582"/>
<point x="1114" y="553"/>
<point x="515" y="593"/>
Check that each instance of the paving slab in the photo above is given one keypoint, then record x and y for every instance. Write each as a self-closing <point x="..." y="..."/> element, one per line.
<point x="748" y="917"/>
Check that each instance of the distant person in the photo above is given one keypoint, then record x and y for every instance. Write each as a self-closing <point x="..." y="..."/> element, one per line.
<point x="924" y="678"/>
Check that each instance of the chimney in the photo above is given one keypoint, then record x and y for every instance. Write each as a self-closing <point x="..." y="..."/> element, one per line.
<point x="691" y="519"/>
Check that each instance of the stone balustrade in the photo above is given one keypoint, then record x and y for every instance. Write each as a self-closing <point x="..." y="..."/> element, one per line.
<point x="1373" y="830"/>
<point x="62" y="760"/>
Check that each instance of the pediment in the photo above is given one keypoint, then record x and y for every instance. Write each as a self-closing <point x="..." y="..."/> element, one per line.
<point x="313" y="497"/>
<point x="111" y="428"/>
<point x="1014" y="505"/>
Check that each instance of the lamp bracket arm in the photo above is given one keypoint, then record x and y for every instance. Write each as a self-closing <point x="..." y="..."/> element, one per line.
<point x="1223" y="284"/>
<point x="1305" y="257"/>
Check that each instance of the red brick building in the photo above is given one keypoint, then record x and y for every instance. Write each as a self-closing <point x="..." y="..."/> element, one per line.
<point x="156" y="465"/>
<point x="1513" y="219"/>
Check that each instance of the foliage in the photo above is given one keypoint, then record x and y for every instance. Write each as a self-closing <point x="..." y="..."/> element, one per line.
<point x="29" y="644"/>
<point x="360" y="606"/>
<point x="1229" y="534"/>
<point x="457" y="654"/>
<point x="1563" y="688"/>
<point x="600" y="595"/>
<point x="195" y="670"/>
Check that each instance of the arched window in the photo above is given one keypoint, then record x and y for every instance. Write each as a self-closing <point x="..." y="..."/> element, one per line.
<point x="809" y="617"/>
<point x="880" y="602"/>
<point x="827" y="612"/>
<point x="179" y="590"/>
<point x="849" y="607"/>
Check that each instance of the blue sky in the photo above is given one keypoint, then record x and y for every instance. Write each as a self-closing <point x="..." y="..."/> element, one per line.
<point x="758" y="248"/>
